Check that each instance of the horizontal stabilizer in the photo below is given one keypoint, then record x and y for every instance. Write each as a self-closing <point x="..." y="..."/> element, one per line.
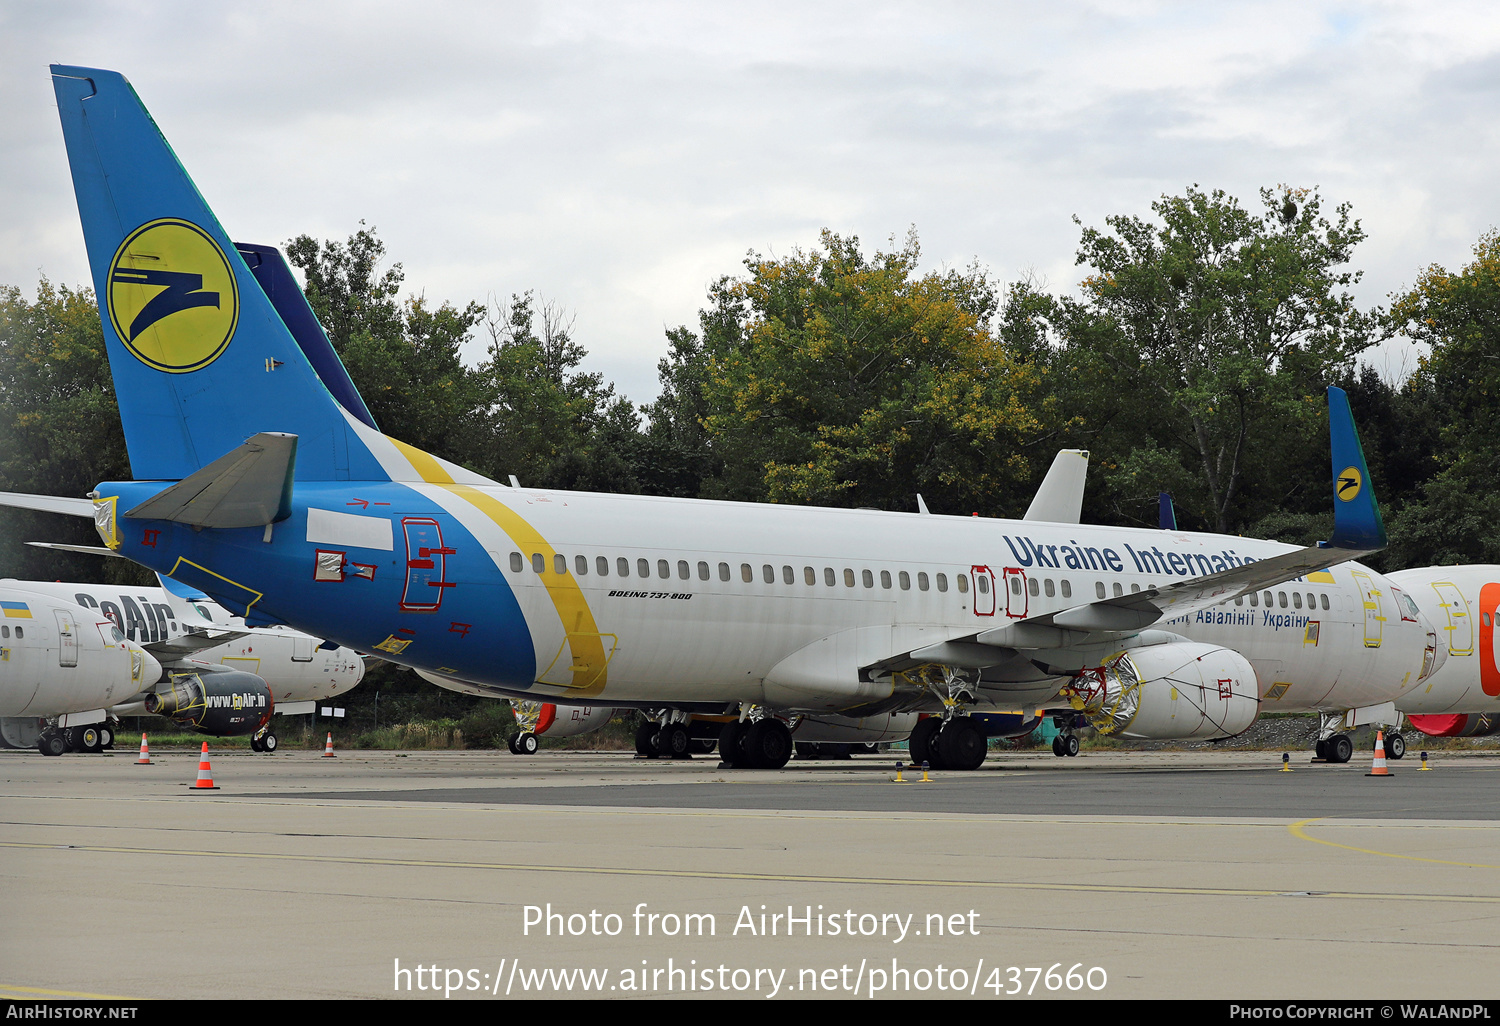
<point x="248" y="487"/>
<point x="1060" y="498"/>
<point x="49" y="504"/>
<point x="87" y="550"/>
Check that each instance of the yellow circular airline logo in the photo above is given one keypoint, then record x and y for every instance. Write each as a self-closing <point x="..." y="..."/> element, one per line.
<point x="1347" y="485"/>
<point x="172" y="296"/>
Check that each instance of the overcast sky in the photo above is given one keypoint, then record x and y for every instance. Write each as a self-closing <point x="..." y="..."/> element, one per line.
<point x="617" y="157"/>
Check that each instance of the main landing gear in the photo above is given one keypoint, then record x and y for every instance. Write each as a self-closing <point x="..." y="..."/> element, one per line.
<point x="953" y="744"/>
<point x="264" y="741"/>
<point x="672" y="739"/>
<point x="763" y="743"/>
<point x="1065" y="745"/>
<point x="93" y="738"/>
<point x="524" y="743"/>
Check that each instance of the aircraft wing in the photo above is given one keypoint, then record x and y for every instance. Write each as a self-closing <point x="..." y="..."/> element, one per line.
<point x="1357" y="531"/>
<point x="190" y="644"/>
<point x="49" y="503"/>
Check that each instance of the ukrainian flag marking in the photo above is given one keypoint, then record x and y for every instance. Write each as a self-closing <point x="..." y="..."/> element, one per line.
<point x="16" y="610"/>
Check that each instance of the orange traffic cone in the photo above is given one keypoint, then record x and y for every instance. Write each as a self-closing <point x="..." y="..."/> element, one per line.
<point x="1378" y="769"/>
<point x="328" y="748"/>
<point x="145" y="759"/>
<point x="205" y="773"/>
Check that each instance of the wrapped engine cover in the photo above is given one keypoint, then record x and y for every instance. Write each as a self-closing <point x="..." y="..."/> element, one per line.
<point x="1178" y="691"/>
<point x="221" y="702"/>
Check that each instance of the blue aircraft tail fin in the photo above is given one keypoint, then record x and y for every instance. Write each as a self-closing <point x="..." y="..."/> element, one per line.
<point x="1356" y="514"/>
<point x="1166" y="514"/>
<point x="200" y="356"/>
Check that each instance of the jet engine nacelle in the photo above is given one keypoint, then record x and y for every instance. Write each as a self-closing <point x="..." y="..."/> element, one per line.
<point x="1457" y="725"/>
<point x="1180" y="691"/>
<point x="224" y="703"/>
<point x="560" y="720"/>
<point x="868" y="730"/>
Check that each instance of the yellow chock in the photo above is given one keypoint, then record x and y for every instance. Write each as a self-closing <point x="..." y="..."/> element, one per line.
<point x="1286" y="762"/>
<point x="1424" y="762"/>
<point x="925" y="778"/>
<point x="898" y="779"/>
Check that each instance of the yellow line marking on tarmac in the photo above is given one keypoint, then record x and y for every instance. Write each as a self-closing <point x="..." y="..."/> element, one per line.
<point x="11" y="990"/>
<point x="1299" y="831"/>
<point x="689" y="874"/>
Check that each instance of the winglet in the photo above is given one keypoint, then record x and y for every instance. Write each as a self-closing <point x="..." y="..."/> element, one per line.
<point x="1356" y="514"/>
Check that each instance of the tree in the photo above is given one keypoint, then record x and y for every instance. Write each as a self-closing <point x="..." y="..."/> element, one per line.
<point x="833" y="378"/>
<point x="1202" y="342"/>
<point x="60" y="430"/>
<point x="1458" y="315"/>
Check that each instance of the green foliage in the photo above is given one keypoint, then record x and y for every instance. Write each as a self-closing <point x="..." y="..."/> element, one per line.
<point x="833" y="378"/>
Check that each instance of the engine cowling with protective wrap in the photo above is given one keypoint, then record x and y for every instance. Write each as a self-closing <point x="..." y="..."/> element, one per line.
<point x="1180" y="691"/>
<point x="1457" y="724"/>
<point x="220" y="702"/>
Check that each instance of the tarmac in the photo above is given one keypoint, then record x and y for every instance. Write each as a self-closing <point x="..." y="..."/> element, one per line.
<point x="482" y="875"/>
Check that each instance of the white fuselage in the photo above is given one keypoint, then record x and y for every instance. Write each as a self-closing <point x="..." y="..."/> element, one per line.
<point x="696" y="601"/>
<point x="292" y="664"/>
<point x="57" y="658"/>
<point x="1462" y="601"/>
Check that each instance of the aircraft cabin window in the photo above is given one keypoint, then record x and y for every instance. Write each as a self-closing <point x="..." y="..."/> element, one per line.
<point x="581" y="565"/>
<point x="1297" y="599"/>
<point x="905" y="579"/>
<point x="768" y="572"/>
<point x="788" y="575"/>
<point x="20" y="633"/>
<point x="538" y="563"/>
<point x="1312" y="601"/>
<point x="1282" y="596"/>
<point x="622" y="566"/>
<point x="848" y="577"/>
<point x="663" y="569"/>
<point x="1266" y="597"/>
<point x="1049" y="589"/>
<point x="1134" y="588"/>
<point x="1067" y="589"/>
<point x="643" y="568"/>
<point x="885" y="579"/>
<point x="1034" y="586"/>
<point x="867" y="578"/>
<point x="921" y="581"/>
<point x="1098" y="589"/>
<point x="4" y="632"/>
<point x="829" y="577"/>
<point x="560" y="563"/>
<point x="683" y="572"/>
<point x="516" y="562"/>
<point x="723" y="571"/>
<point x="810" y="576"/>
<point x="942" y="582"/>
<point x="1239" y="600"/>
<point x="1255" y="598"/>
<point x="1118" y="590"/>
<point x="1015" y="586"/>
<point x="601" y="565"/>
<point x="703" y="570"/>
<point x="1325" y="601"/>
<point x="746" y="574"/>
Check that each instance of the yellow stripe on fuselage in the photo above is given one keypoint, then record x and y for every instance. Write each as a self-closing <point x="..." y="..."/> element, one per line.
<point x="590" y="664"/>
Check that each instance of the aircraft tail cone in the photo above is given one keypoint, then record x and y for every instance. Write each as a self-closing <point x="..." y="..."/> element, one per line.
<point x="328" y="748"/>
<point x="1378" y="768"/>
<point x="145" y="759"/>
<point x="205" y="780"/>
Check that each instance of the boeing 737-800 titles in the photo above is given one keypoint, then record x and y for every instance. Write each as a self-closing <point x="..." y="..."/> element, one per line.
<point x="265" y="482"/>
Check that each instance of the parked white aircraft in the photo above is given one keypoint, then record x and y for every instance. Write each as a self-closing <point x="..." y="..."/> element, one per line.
<point x="1462" y="699"/>
<point x="195" y="641"/>
<point x="765" y="612"/>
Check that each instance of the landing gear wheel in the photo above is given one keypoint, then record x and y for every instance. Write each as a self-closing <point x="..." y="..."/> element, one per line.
<point x="962" y="745"/>
<point x="1058" y="749"/>
<point x="674" y="742"/>
<point x="90" y="740"/>
<point x="704" y="745"/>
<point x="730" y="740"/>
<point x="73" y="738"/>
<point x="1070" y="745"/>
<point x="645" y="739"/>
<point x="1395" y="746"/>
<point x="768" y="744"/>
<point x="920" y="745"/>
<point x="1340" y="748"/>
<point x="268" y="743"/>
<point x="809" y="750"/>
<point x="52" y="743"/>
<point x="527" y="744"/>
<point x="255" y="745"/>
<point x="1320" y="750"/>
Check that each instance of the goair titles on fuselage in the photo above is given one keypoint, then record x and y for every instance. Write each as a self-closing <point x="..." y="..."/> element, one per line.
<point x="1073" y="556"/>
<point x="142" y="620"/>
